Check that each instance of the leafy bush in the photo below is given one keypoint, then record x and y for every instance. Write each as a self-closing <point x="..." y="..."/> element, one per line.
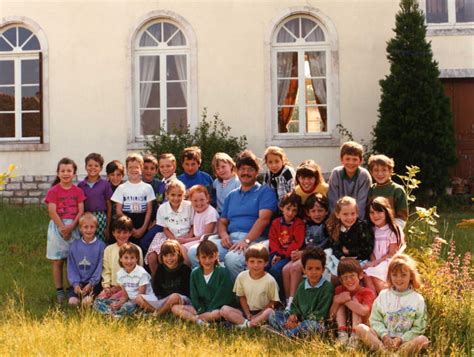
<point x="210" y="135"/>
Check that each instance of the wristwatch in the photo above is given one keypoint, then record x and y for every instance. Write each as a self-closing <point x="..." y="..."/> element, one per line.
<point x="246" y="240"/>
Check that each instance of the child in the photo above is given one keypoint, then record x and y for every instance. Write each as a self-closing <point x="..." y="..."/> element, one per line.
<point x="122" y="229"/>
<point x="350" y="298"/>
<point x="256" y="290"/>
<point x="133" y="280"/>
<point x="316" y="209"/>
<point x="84" y="262"/>
<point x="205" y="216"/>
<point x="388" y="239"/>
<point x="167" y="167"/>
<point x="350" y="236"/>
<point x="210" y="286"/>
<point x="170" y="282"/>
<point x="381" y="169"/>
<point x="226" y="179"/>
<point x="398" y="317"/>
<point x="65" y="205"/>
<point x="175" y="216"/>
<point x="134" y="198"/>
<point x="191" y="160"/>
<point x="312" y="300"/>
<point x="350" y="179"/>
<point x="309" y="180"/>
<point x="115" y="172"/>
<point x="281" y="176"/>
<point x="98" y="193"/>
<point x="286" y="236"/>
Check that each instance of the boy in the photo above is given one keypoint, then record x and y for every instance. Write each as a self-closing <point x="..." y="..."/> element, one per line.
<point x="98" y="193"/>
<point x="121" y="230"/>
<point x="257" y="291"/>
<point x="167" y="167"/>
<point x="350" y="298"/>
<point x="134" y="198"/>
<point x="84" y="262"/>
<point x="312" y="300"/>
<point x="381" y="169"/>
<point x="350" y="179"/>
<point x="115" y="172"/>
<point x="191" y="160"/>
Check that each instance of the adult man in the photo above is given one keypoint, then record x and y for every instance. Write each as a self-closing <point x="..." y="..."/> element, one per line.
<point x="246" y="214"/>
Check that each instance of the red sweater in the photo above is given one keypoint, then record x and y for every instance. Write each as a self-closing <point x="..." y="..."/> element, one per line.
<point x="285" y="238"/>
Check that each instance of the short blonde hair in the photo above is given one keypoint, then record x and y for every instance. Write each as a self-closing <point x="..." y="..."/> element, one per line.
<point x="401" y="262"/>
<point x="352" y="148"/>
<point x="222" y="157"/>
<point x="167" y="156"/>
<point x="175" y="183"/>
<point x="277" y="151"/>
<point x="134" y="157"/>
<point x="380" y="160"/>
<point x="87" y="217"/>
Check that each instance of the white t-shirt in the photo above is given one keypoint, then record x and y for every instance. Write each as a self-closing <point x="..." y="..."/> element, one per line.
<point x="133" y="196"/>
<point x="133" y="280"/>
<point x="258" y="292"/>
<point x="178" y="222"/>
<point x="201" y="219"/>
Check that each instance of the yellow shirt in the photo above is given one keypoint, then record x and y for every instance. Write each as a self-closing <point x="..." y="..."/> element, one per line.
<point x="322" y="188"/>
<point x="258" y="292"/>
<point x="110" y="265"/>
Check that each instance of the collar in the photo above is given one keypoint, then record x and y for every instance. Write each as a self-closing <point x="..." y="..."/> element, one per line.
<point x="91" y="242"/>
<point x="307" y="285"/>
<point x="133" y="272"/>
<point x="353" y="178"/>
<point x="254" y="188"/>
<point x="169" y="179"/>
<point x="383" y="184"/>
<point x="402" y="293"/>
<point x="180" y="208"/>
<point x="272" y="175"/>
<point x="191" y="176"/>
<point x="283" y="222"/>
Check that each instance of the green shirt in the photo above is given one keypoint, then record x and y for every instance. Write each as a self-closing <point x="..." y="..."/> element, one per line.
<point x="214" y="294"/>
<point x="312" y="303"/>
<point x="395" y="194"/>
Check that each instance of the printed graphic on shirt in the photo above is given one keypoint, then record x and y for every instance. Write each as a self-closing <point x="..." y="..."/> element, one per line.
<point x="285" y="238"/>
<point x="134" y="204"/>
<point x="84" y="264"/>
<point x="400" y="321"/>
<point x="67" y="206"/>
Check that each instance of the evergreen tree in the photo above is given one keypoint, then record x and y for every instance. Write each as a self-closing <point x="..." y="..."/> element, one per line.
<point x="415" y="124"/>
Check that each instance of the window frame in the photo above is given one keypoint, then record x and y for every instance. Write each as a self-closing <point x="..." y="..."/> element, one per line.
<point x="450" y="28"/>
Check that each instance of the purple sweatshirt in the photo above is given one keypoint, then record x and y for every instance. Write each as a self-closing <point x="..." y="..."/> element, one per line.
<point x="84" y="262"/>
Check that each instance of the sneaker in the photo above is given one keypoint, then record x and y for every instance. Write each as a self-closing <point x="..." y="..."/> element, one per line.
<point x="353" y="342"/>
<point x="342" y="337"/>
<point x="60" y="296"/>
<point x="87" y="301"/>
<point x="74" y="301"/>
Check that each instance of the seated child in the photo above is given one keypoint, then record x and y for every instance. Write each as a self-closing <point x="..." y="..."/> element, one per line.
<point x="191" y="160"/>
<point x="350" y="236"/>
<point x="286" y="236"/>
<point x="381" y="169"/>
<point x="205" y="216"/>
<point x="388" y="239"/>
<point x="210" y="286"/>
<point x="350" y="179"/>
<point x="352" y="299"/>
<point x="84" y="262"/>
<point x="316" y="209"/>
<point x="280" y="175"/>
<point x="310" y="306"/>
<point x="226" y="179"/>
<point x="175" y="216"/>
<point x="309" y="180"/>
<point x="121" y="231"/>
<point x="256" y="290"/>
<point x="398" y="318"/>
<point x="170" y="282"/>
<point x="167" y="167"/>
<point x="133" y="280"/>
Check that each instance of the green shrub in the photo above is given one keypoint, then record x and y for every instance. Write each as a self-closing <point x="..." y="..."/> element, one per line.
<point x="211" y="135"/>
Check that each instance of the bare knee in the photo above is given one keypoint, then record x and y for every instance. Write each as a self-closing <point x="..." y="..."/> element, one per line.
<point x="139" y="300"/>
<point x="361" y="329"/>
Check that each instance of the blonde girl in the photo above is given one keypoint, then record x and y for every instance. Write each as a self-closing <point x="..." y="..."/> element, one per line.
<point x="175" y="216"/>
<point x="349" y="235"/>
<point x="280" y="175"/>
<point x="398" y="317"/>
<point x="388" y="239"/>
<point x="65" y="206"/>
<point x="309" y="180"/>
<point x="226" y="181"/>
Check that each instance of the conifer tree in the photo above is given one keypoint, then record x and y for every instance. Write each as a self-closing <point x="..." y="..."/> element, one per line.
<point x="415" y="124"/>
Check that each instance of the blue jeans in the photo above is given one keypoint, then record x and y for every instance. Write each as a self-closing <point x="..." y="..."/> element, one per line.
<point x="276" y="270"/>
<point x="305" y="328"/>
<point x="145" y="241"/>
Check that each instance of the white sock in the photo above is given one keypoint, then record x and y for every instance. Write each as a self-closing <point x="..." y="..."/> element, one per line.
<point x="244" y="324"/>
<point x="289" y="301"/>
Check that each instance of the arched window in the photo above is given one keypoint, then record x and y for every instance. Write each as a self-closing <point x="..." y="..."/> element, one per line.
<point x="304" y="66"/>
<point x="161" y="78"/>
<point x="21" y="94"/>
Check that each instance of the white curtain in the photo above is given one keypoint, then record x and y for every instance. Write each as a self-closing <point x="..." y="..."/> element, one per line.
<point x="317" y="68"/>
<point x="147" y="70"/>
<point x="181" y="69"/>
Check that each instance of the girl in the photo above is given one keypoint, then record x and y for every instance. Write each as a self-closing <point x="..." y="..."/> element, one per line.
<point x="309" y="180"/>
<point x="175" y="216"/>
<point x="316" y="209"/>
<point x="398" y="317"/>
<point x="349" y="236"/>
<point x="281" y="176"/>
<point x="205" y="216"/>
<point x="170" y="282"/>
<point x="226" y="181"/>
<point x="133" y="281"/>
<point x="210" y="285"/>
<point x="65" y="206"/>
<point x="388" y="239"/>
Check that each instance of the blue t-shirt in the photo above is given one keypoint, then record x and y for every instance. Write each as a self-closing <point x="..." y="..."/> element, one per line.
<point x="199" y="178"/>
<point x="242" y="208"/>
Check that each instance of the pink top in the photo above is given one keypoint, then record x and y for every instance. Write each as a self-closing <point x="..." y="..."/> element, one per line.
<point x="210" y="215"/>
<point x="384" y="236"/>
<point x="66" y="200"/>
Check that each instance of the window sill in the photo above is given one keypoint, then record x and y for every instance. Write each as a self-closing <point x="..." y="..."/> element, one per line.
<point x="304" y="141"/>
<point x="450" y="29"/>
<point x="19" y="146"/>
<point x="136" y="145"/>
